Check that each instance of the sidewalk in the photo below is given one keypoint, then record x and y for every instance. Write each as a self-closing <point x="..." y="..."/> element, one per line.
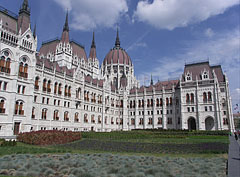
<point x="234" y="157"/>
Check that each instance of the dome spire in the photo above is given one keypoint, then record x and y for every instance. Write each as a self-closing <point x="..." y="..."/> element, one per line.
<point x="93" y="41"/>
<point x="151" y="83"/>
<point x="117" y="43"/>
<point x="66" y="27"/>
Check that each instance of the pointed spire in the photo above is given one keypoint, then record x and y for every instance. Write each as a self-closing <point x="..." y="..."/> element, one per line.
<point x="34" y="31"/>
<point x="151" y="80"/>
<point x="66" y="27"/>
<point x="93" y="41"/>
<point x="25" y="8"/>
<point x="117" y="43"/>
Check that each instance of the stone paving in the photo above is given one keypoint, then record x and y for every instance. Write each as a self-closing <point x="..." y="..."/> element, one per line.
<point x="234" y="157"/>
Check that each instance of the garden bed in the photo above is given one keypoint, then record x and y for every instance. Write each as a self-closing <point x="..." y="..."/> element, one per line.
<point x="91" y="165"/>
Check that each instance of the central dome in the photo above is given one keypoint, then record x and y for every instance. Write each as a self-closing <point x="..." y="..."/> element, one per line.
<point x="117" y="55"/>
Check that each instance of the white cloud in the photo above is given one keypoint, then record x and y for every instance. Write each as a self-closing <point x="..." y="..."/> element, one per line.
<point x="222" y="49"/>
<point x="169" y="14"/>
<point x="137" y="45"/>
<point x="209" y="32"/>
<point x="90" y="14"/>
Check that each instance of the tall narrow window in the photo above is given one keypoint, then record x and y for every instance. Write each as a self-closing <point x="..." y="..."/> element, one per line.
<point x="170" y="101"/>
<point x="161" y="101"/>
<point x="16" y="107"/>
<point x="192" y="98"/>
<point x="20" y="73"/>
<point x="209" y="96"/>
<point x="187" y="98"/>
<point x="8" y="69"/>
<point x="33" y="113"/>
<point x="65" y="90"/>
<point x="157" y="102"/>
<point x="167" y="102"/>
<point x="76" y="117"/>
<point x="55" y="87"/>
<point x="204" y="97"/>
<point x="36" y="86"/>
<point x="44" y="85"/>
<point x="44" y="114"/>
<point x="2" y="109"/>
<point x="49" y="86"/>
<point x="21" y="111"/>
<point x="60" y="89"/>
<point x="25" y="72"/>
<point x="2" y="64"/>
<point x="69" y="91"/>
<point x="66" y="118"/>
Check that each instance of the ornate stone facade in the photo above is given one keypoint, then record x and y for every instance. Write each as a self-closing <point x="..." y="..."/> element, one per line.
<point x="61" y="88"/>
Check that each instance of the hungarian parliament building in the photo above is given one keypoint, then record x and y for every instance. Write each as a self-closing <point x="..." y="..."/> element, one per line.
<point x="60" y="87"/>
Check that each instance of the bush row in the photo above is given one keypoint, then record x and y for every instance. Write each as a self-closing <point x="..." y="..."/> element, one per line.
<point x="4" y="143"/>
<point x="48" y="137"/>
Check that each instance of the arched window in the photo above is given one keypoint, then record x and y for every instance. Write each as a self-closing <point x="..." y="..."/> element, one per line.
<point x="36" y="86"/>
<point x="161" y="101"/>
<point x="60" y="89"/>
<point x="49" y="86"/>
<point x="187" y="98"/>
<point x="33" y="113"/>
<point x="192" y="98"/>
<point x="209" y="96"/>
<point x="151" y="102"/>
<point x="204" y="97"/>
<point x="99" y="119"/>
<point x="16" y="107"/>
<point x="44" y="85"/>
<point x="2" y="64"/>
<point x="76" y="119"/>
<point x="65" y="90"/>
<point x="21" y="73"/>
<point x="112" y="121"/>
<point x="143" y="103"/>
<point x="85" y="118"/>
<point x="25" y="71"/>
<point x="139" y="103"/>
<point x="157" y="102"/>
<point x="148" y="103"/>
<point x="134" y="103"/>
<point x="170" y="101"/>
<point x="55" y="115"/>
<point x="92" y="119"/>
<point x="130" y="104"/>
<point x="55" y="87"/>
<point x="167" y="101"/>
<point x="69" y="91"/>
<point x="66" y="118"/>
<point x="44" y="114"/>
<point x="2" y="103"/>
<point x="8" y="63"/>
<point x="21" y="111"/>
<point x="132" y="121"/>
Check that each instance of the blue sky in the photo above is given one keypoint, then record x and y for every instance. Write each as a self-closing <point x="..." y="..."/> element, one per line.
<point x="159" y="35"/>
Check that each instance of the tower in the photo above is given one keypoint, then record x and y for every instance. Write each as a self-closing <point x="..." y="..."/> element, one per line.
<point x="24" y="17"/>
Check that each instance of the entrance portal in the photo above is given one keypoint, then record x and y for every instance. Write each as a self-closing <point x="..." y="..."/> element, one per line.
<point x="16" y="128"/>
<point x="191" y="124"/>
<point x="209" y="123"/>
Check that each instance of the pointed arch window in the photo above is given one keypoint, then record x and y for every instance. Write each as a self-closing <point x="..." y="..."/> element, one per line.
<point x="8" y="67"/>
<point x="148" y="103"/>
<point x="2" y="104"/>
<point x="55" y="115"/>
<point x="161" y="101"/>
<point x="44" y="114"/>
<point x="60" y="89"/>
<point x="85" y="118"/>
<point x="167" y="101"/>
<point x="66" y="118"/>
<point x="49" y="86"/>
<point x="192" y="98"/>
<point x="5" y="62"/>
<point x="55" y="87"/>
<point x="44" y="85"/>
<point x="171" y="102"/>
<point x="76" y="119"/>
<point x="19" y="108"/>
<point x="209" y="96"/>
<point x="25" y="71"/>
<point x="187" y="98"/>
<point x="36" y="85"/>
<point x="21" y="73"/>
<point x="157" y="102"/>
<point x="92" y="119"/>
<point x="204" y="97"/>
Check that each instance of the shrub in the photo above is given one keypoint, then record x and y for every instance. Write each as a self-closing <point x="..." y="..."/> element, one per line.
<point x="5" y="143"/>
<point x="48" y="137"/>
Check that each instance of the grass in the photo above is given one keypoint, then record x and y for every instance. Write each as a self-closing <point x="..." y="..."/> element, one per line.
<point x="155" y="137"/>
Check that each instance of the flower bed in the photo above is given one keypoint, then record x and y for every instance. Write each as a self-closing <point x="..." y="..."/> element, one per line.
<point x="48" y="137"/>
<point x="91" y="165"/>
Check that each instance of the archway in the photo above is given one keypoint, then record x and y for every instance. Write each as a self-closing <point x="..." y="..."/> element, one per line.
<point x="191" y="124"/>
<point x="209" y="123"/>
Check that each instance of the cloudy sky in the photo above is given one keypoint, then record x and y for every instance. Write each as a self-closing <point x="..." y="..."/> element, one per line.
<point x="159" y="35"/>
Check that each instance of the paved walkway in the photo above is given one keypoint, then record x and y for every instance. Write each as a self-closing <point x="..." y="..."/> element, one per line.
<point x="234" y="157"/>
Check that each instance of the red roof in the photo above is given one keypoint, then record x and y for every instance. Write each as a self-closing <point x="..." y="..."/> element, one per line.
<point x="117" y="55"/>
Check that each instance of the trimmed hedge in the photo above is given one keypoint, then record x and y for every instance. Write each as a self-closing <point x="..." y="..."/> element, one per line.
<point x="48" y="137"/>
